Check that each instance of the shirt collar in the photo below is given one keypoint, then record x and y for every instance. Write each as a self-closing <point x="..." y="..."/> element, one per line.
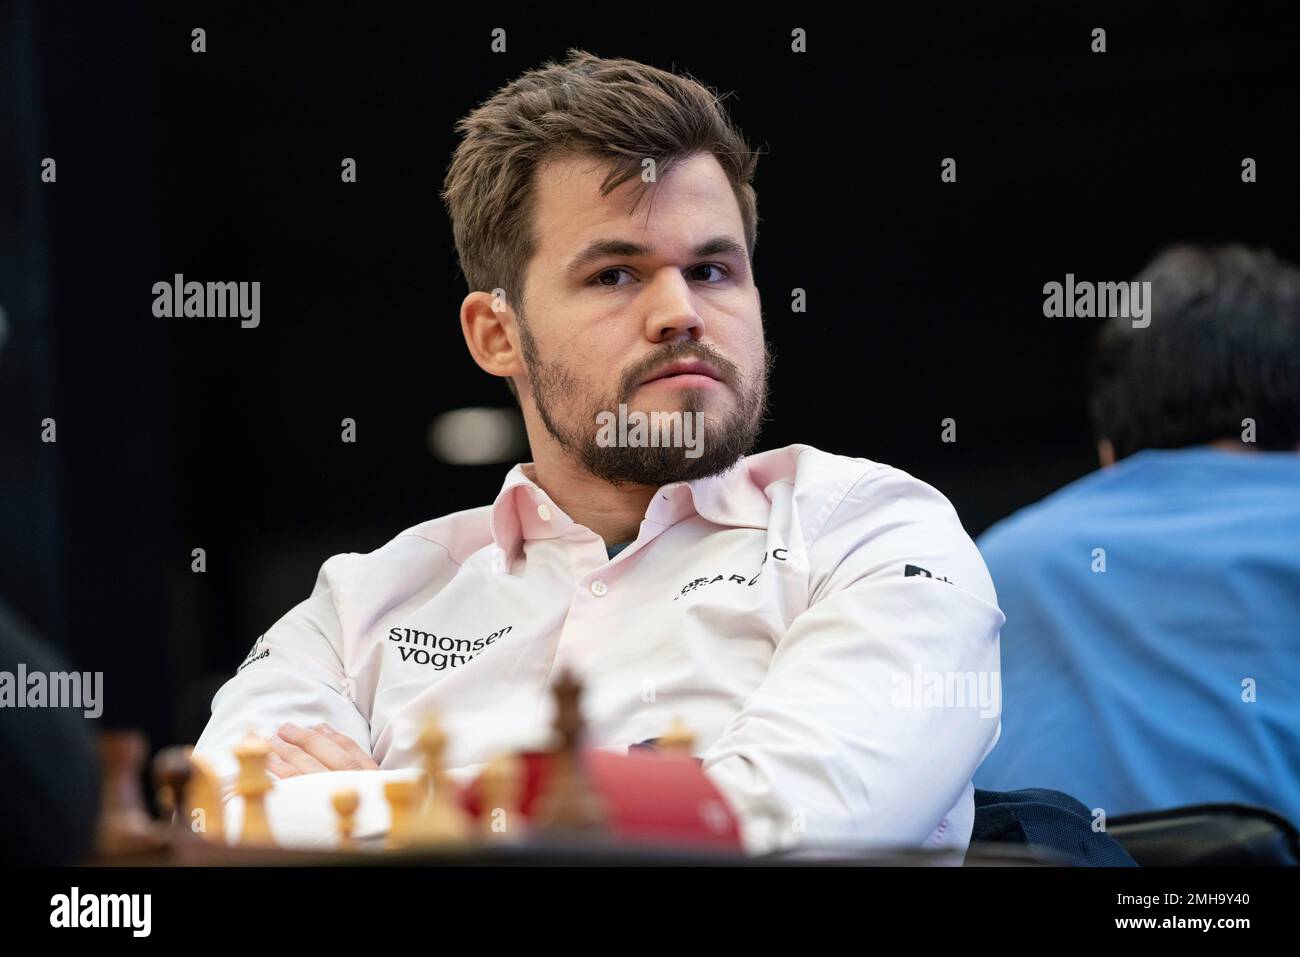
<point x="738" y="498"/>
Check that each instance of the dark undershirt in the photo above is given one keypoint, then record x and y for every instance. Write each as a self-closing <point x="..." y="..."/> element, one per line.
<point x="613" y="550"/>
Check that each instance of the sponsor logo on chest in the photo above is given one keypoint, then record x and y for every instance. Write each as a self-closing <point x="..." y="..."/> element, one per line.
<point x="776" y="554"/>
<point x="440" y="652"/>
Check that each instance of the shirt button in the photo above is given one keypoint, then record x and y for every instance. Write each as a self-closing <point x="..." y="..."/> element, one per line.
<point x="598" y="588"/>
<point x="543" y="512"/>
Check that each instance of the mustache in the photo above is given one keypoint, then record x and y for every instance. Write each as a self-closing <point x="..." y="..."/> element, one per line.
<point x="726" y="369"/>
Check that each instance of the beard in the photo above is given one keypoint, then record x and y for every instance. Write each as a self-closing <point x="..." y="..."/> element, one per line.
<point x="569" y="410"/>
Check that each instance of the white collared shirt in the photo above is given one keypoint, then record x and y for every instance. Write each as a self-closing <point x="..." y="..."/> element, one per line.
<point x="823" y="624"/>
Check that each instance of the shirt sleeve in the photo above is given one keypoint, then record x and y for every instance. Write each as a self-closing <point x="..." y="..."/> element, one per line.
<point x="884" y="695"/>
<point x="294" y="672"/>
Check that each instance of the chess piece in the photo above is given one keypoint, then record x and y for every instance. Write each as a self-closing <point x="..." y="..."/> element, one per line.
<point x="432" y="743"/>
<point x="345" y="806"/>
<point x="567" y="804"/>
<point x="252" y="785"/>
<point x="172" y="770"/>
<point x="205" y="813"/>
<point x="441" y="819"/>
<point x="403" y="799"/>
<point x="678" y="739"/>
<point x="500" y="787"/>
<point x="124" y="822"/>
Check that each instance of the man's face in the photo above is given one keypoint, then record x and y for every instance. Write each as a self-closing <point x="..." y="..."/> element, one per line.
<point x="613" y="296"/>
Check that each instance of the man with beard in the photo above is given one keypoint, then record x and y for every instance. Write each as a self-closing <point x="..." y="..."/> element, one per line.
<point x="821" y="623"/>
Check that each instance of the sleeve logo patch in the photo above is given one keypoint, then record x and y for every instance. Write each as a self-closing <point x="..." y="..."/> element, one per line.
<point x="256" y="653"/>
<point x="910" y="570"/>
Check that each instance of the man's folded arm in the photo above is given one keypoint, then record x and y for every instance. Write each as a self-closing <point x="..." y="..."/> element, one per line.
<point x="840" y="742"/>
<point x="294" y="673"/>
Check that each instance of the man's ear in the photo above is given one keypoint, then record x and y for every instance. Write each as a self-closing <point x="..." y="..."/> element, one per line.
<point x="490" y="334"/>
<point x="1106" y="452"/>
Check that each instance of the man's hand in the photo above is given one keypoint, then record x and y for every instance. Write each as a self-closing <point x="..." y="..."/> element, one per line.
<point x="320" y="748"/>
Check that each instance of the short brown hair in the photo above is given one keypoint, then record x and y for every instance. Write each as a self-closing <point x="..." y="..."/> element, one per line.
<point x="615" y="109"/>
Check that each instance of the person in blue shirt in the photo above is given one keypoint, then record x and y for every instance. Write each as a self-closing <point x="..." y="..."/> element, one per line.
<point x="1151" y="653"/>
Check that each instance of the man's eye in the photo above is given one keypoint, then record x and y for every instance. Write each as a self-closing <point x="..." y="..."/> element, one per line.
<point x="611" y="271"/>
<point x="722" y="271"/>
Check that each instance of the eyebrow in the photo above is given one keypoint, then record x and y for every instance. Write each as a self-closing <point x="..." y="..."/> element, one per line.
<point x="604" y="248"/>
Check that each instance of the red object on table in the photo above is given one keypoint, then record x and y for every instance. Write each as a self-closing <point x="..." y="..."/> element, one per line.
<point x="650" y="797"/>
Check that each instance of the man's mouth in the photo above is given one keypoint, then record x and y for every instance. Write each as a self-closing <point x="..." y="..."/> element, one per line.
<point x="686" y="374"/>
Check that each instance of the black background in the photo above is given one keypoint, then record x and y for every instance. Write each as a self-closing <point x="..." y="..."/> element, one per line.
<point x="925" y="298"/>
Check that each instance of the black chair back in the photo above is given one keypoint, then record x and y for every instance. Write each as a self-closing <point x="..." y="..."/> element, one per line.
<point x="1208" y="835"/>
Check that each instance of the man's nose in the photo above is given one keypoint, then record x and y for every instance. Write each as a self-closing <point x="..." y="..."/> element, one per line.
<point x="671" y="313"/>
